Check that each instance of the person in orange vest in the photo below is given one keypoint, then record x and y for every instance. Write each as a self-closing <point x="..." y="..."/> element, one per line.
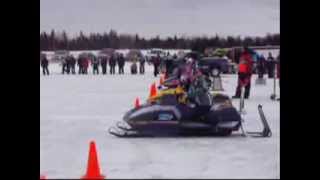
<point x="244" y="73"/>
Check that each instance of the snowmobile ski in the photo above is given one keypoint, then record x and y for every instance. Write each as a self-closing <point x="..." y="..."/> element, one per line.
<point x="266" y="132"/>
<point x="123" y="126"/>
<point x="123" y="133"/>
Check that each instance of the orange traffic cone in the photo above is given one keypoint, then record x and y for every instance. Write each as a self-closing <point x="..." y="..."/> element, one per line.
<point x="161" y="79"/>
<point x="42" y="177"/>
<point x="93" y="169"/>
<point x="153" y="90"/>
<point x="137" y="103"/>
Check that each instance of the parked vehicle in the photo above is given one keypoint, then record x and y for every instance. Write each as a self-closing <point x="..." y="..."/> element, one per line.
<point x="60" y="55"/>
<point x="154" y="53"/>
<point x="214" y="65"/>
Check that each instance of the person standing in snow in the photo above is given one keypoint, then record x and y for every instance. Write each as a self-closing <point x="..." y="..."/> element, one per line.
<point x="261" y="66"/>
<point x="85" y="65"/>
<point x="44" y="65"/>
<point x="121" y="63"/>
<point x="68" y="64"/>
<point x="271" y="65"/>
<point x="64" y="64"/>
<point x="244" y="73"/>
<point x="103" y="62"/>
<point x="79" y="62"/>
<point x="168" y="65"/>
<point x="134" y="66"/>
<point x="73" y="64"/>
<point x="141" y="65"/>
<point x="95" y="65"/>
<point x="112" y="64"/>
<point x="156" y="64"/>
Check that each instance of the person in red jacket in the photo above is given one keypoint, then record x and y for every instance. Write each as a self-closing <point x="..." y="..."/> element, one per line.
<point x="85" y="65"/>
<point x="244" y="73"/>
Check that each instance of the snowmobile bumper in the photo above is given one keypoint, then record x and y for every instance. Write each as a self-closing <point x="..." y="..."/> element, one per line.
<point x="232" y="125"/>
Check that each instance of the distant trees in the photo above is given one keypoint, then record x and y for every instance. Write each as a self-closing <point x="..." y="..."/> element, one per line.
<point x="60" y="41"/>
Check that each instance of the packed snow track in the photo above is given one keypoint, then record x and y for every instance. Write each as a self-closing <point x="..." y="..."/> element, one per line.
<point x="75" y="109"/>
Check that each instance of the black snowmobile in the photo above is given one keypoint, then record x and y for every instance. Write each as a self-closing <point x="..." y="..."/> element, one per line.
<point x="182" y="109"/>
<point x="177" y="112"/>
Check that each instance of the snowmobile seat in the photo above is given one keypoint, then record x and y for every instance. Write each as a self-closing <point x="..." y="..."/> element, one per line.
<point x="218" y="98"/>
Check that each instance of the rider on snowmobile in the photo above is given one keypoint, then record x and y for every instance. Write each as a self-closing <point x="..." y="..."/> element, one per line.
<point x="188" y="84"/>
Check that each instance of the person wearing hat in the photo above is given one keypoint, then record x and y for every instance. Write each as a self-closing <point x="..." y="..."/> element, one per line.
<point x="261" y="66"/>
<point x="104" y="62"/>
<point x="44" y="65"/>
<point x="244" y="73"/>
<point x="142" y="61"/>
<point x="112" y="64"/>
<point x="79" y="62"/>
<point x="121" y="63"/>
<point x="85" y="65"/>
<point x="271" y="65"/>
<point x="64" y="64"/>
<point x="73" y="64"/>
<point x="156" y="64"/>
<point x="95" y="65"/>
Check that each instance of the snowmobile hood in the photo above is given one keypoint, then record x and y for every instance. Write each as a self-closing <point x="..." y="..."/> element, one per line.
<point x="137" y="114"/>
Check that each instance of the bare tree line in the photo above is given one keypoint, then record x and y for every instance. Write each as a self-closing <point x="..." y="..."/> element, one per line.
<point x="94" y="41"/>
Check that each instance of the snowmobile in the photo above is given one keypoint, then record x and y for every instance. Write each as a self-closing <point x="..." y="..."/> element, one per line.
<point x="174" y="111"/>
<point x="182" y="109"/>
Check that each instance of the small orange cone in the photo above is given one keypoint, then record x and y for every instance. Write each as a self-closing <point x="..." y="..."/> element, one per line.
<point x="153" y="90"/>
<point x="42" y="177"/>
<point x="137" y="103"/>
<point x="93" y="169"/>
<point x="161" y="79"/>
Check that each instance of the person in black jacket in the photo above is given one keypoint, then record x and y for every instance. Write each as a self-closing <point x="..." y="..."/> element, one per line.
<point x="142" y="62"/>
<point x="121" y="63"/>
<point x="103" y="62"/>
<point x="271" y="65"/>
<point x="64" y="64"/>
<point x="95" y="65"/>
<point x="261" y="66"/>
<point x="79" y="62"/>
<point x="156" y="64"/>
<point x="44" y="65"/>
<point x="73" y="64"/>
<point x="168" y="65"/>
<point x="112" y="64"/>
<point x="68" y="64"/>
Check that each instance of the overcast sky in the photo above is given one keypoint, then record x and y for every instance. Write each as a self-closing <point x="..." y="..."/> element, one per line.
<point x="162" y="17"/>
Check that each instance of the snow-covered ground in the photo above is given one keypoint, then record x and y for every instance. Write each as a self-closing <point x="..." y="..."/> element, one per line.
<point x="75" y="109"/>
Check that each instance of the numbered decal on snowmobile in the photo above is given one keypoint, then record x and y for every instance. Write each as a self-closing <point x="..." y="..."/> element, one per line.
<point x="165" y="117"/>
